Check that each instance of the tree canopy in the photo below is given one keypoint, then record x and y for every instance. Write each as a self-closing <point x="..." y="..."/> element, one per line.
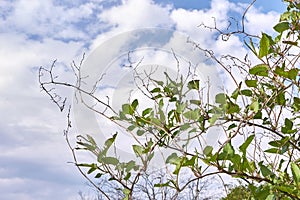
<point x="258" y="122"/>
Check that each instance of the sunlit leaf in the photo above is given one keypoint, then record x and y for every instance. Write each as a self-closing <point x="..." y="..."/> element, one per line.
<point x="264" y="46"/>
<point x="259" y="70"/>
<point x="193" y="84"/>
<point x="281" y="26"/>
<point x="245" y="145"/>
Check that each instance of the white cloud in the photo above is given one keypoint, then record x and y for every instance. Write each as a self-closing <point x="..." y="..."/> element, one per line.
<point x="137" y="13"/>
<point x="257" y="22"/>
<point x="45" y="18"/>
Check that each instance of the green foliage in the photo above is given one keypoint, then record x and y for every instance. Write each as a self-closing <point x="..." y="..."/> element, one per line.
<point x="260" y="122"/>
<point x="239" y="193"/>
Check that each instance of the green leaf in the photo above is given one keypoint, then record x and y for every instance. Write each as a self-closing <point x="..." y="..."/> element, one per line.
<point x="110" y="141"/>
<point x="130" y="165"/>
<point x="290" y="42"/>
<point x="208" y="150"/>
<point x="155" y="90"/>
<point x="265" y="171"/>
<point x="280" y="99"/>
<point x="91" y="140"/>
<point x="296" y="104"/>
<point x="146" y="111"/>
<point x="228" y="149"/>
<point x="251" y="83"/>
<point x="126" y="192"/>
<point x="180" y="107"/>
<point x="162" y="184"/>
<point x="254" y="106"/>
<point x="92" y="169"/>
<point x="258" y="115"/>
<point x="189" y="162"/>
<point x="281" y="26"/>
<point x="134" y="104"/>
<point x="173" y="159"/>
<point x="192" y="114"/>
<point x="131" y="127"/>
<point x="162" y="116"/>
<point x="288" y="123"/>
<point x="110" y="160"/>
<point x="185" y="127"/>
<point x="259" y="70"/>
<point x="140" y="132"/>
<point x="232" y="126"/>
<point x="214" y="118"/>
<point x="138" y="150"/>
<point x="98" y="175"/>
<point x="264" y="46"/>
<point x="161" y="83"/>
<point x="273" y="150"/>
<point x="293" y="73"/>
<point x="232" y="108"/>
<point x="296" y="172"/>
<point x="221" y="98"/>
<point x="127" y="109"/>
<point x="245" y="145"/>
<point x="246" y="92"/>
<point x="279" y="143"/>
<point x="193" y="84"/>
<point x="195" y="102"/>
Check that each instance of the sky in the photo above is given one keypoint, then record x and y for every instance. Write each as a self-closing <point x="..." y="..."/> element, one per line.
<point x="34" y="158"/>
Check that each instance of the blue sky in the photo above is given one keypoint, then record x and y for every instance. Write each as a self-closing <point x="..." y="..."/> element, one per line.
<point x="33" y="154"/>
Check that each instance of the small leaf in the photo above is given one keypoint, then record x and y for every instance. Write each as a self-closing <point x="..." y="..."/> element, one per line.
<point x="254" y="106"/>
<point x="208" y="150"/>
<point x="296" y="104"/>
<point x="162" y="184"/>
<point x="131" y="127"/>
<point x="231" y="126"/>
<point x="196" y="102"/>
<point x="180" y="107"/>
<point x="138" y="150"/>
<point x="98" y="175"/>
<point x="228" y="149"/>
<point x="293" y="73"/>
<point x="281" y="26"/>
<point x="273" y="150"/>
<point x="232" y="108"/>
<point x="173" y="159"/>
<point x="126" y="192"/>
<point x="259" y="70"/>
<point x="146" y="111"/>
<point x="296" y="172"/>
<point x="110" y="160"/>
<point x="140" y="132"/>
<point x="288" y="123"/>
<point x="247" y="93"/>
<point x="127" y="109"/>
<point x="134" y="104"/>
<point x="264" y="46"/>
<point x="251" y="83"/>
<point x="193" y="84"/>
<point x="221" y="98"/>
<point x="214" y="118"/>
<point x="92" y="169"/>
<point x="280" y="99"/>
<point x="265" y="171"/>
<point x="192" y="114"/>
<point x="245" y="145"/>
<point x="155" y="90"/>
